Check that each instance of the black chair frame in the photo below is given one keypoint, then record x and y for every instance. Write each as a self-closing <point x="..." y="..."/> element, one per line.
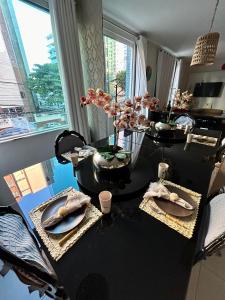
<point x="201" y="251"/>
<point x="64" y="134"/>
<point x="220" y="153"/>
<point x="49" y="279"/>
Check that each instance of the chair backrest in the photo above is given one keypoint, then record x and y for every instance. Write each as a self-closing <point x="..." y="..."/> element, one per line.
<point x="211" y="236"/>
<point x="217" y="180"/>
<point x="208" y="132"/>
<point x="18" y="245"/>
<point x="66" y="142"/>
<point x="220" y="153"/>
<point x="185" y="119"/>
<point x="215" y="237"/>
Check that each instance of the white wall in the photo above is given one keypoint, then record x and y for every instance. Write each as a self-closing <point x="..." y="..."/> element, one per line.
<point x="21" y="153"/>
<point x="208" y="74"/>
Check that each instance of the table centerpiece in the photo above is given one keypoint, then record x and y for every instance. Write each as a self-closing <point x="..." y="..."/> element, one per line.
<point x="182" y="101"/>
<point x="126" y="114"/>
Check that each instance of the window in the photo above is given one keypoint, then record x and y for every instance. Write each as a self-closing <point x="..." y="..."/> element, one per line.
<point x="31" y="98"/>
<point x="119" y="47"/>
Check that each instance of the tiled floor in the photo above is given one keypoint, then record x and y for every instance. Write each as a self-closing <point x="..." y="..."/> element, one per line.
<point x="207" y="280"/>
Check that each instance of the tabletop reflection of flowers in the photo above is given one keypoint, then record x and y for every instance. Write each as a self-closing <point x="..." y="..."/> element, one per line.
<point x="126" y="114"/>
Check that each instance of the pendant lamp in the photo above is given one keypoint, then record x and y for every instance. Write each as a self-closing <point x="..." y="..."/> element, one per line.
<point x="206" y="46"/>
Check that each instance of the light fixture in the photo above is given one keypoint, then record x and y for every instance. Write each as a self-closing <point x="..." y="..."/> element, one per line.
<point x="206" y="46"/>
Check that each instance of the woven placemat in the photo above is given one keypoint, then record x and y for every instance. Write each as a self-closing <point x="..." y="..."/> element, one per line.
<point x="184" y="226"/>
<point x="54" y="242"/>
<point x="212" y="144"/>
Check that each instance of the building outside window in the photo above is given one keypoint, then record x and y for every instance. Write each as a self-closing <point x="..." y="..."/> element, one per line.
<point x="31" y="97"/>
<point x="119" y="62"/>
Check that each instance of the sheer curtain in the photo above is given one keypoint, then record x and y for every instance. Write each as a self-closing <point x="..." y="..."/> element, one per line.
<point x="78" y="30"/>
<point x="64" y="22"/>
<point x="165" y="72"/>
<point x="140" y="70"/>
<point x="175" y="80"/>
<point x="140" y="76"/>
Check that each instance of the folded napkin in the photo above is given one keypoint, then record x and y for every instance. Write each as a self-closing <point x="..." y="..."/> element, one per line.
<point x="205" y="138"/>
<point x="72" y="204"/>
<point x="85" y="151"/>
<point x="157" y="189"/>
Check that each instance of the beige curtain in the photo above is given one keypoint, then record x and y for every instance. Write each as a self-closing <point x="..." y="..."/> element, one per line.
<point x="65" y="28"/>
<point x="93" y="61"/>
<point x="184" y="74"/>
<point x="165" y="71"/>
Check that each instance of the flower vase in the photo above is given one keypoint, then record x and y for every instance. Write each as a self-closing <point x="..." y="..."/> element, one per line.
<point x="111" y="158"/>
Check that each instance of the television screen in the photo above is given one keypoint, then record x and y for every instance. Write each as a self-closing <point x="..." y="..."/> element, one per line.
<point x="208" y="89"/>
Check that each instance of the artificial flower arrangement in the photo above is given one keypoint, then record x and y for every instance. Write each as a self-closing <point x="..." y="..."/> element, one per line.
<point x="126" y="114"/>
<point x="182" y="101"/>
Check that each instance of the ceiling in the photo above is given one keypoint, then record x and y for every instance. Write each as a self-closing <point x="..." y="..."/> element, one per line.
<point x="173" y="24"/>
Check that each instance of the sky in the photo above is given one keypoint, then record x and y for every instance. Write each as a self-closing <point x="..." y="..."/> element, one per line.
<point x="34" y="25"/>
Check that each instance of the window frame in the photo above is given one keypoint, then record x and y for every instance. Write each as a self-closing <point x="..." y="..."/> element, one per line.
<point x="38" y="3"/>
<point x="122" y="35"/>
<point x="42" y="5"/>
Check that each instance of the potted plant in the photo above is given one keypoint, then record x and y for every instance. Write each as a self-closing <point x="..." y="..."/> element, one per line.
<point x="125" y="114"/>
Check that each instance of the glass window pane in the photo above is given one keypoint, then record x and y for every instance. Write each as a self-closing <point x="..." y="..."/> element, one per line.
<point x="119" y="67"/>
<point x="31" y="98"/>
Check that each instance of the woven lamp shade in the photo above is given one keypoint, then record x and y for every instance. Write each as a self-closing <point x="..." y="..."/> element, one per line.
<point x="205" y="49"/>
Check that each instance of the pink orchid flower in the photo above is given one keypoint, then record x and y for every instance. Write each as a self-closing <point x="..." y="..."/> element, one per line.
<point x="133" y="115"/>
<point x="91" y="92"/>
<point x="127" y="110"/>
<point x="138" y="98"/>
<point x="107" y="97"/>
<point x="138" y="107"/>
<point x="122" y="125"/>
<point x="106" y="107"/>
<point x="141" y="119"/>
<point x="131" y="124"/>
<point x="83" y="100"/>
<point x="99" y="92"/>
<point x="128" y="103"/>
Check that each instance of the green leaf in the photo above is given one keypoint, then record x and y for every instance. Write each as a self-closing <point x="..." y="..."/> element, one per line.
<point x="121" y="156"/>
<point x="124" y="151"/>
<point x="107" y="156"/>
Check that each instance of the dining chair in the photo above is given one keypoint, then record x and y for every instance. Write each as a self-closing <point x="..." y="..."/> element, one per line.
<point x="211" y="236"/>
<point x="217" y="180"/>
<point x="208" y="132"/>
<point x="67" y="141"/>
<point x="20" y="250"/>
<point x="184" y="119"/>
<point x="220" y="153"/>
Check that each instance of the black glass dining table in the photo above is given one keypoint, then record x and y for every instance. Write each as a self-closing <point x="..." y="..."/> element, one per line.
<point x="127" y="254"/>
